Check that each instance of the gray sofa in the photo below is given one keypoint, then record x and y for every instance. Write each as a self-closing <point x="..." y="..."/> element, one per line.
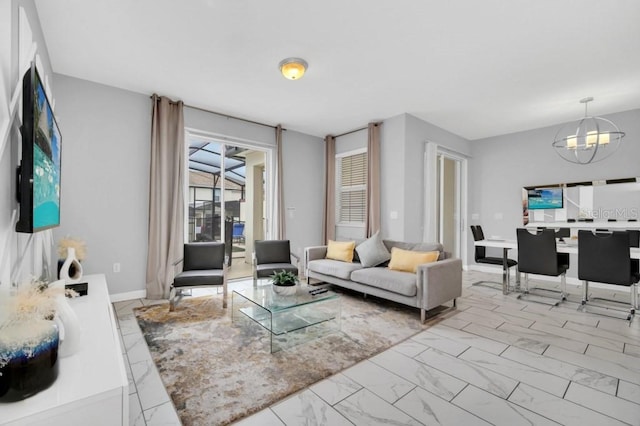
<point x="430" y="286"/>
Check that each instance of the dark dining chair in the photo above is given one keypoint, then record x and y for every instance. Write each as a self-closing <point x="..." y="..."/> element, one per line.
<point x="271" y="256"/>
<point x="203" y="265"/>
<point x="562" y="233"/>
<point x="538" y="254"/>
<point x="605" y="258"/>
<point x="480" y="256"/>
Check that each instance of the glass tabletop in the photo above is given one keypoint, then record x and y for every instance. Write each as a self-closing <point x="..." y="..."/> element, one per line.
<point x="267" y="298"/>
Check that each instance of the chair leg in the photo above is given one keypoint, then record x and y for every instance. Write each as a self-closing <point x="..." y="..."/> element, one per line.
<point x="224" y="293"/>
<point x="585" y="292"/>
<point x="563" y="287"/>
<point x="423" y="315"/>
<point x="526" y="283"/>
<point x="225" y="270"/>
<point x="172" y="294"/>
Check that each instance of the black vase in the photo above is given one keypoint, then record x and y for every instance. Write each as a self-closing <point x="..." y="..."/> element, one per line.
<point x="30" y="367"/>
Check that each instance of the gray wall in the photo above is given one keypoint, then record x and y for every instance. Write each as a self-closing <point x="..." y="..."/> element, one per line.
<point x="105" y="177"/>
<point x="303" y="158"/>
<point x="502" y="165"/>
<point x="392" y="177"/>
<point x="105" y="172"/>
<point x="240" y="131"/>
<point x="403" y="144"/>
<point x="418" y="132"/>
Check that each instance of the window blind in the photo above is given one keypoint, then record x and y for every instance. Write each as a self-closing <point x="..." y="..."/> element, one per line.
<point x="353" y="188"/>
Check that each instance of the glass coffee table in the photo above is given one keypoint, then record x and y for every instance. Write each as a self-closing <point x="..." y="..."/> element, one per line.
<point x="290" y="320"/>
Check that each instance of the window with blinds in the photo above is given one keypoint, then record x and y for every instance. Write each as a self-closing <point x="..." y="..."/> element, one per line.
<point x="352" y="188"/>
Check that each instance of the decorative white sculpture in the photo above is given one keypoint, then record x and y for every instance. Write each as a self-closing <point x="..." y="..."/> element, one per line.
<point x="71" y="270"/>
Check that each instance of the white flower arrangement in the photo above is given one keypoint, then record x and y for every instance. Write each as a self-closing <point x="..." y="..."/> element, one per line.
<point x="26" y="318"/>
<point x="70" y="242"/>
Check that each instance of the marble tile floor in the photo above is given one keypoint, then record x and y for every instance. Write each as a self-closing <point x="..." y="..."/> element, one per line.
<point x="494" y="360"/>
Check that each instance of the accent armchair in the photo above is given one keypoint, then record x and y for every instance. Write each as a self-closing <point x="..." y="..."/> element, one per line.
<point x="203" y="266"/>
<point x="270" y="256"/>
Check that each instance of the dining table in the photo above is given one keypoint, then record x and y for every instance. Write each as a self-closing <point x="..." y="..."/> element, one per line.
<point x="570" y="247"/>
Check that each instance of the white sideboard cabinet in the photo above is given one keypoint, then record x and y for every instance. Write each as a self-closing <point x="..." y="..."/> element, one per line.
<point x="92" y="386"/>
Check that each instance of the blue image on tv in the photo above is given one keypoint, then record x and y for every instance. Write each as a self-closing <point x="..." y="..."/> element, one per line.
<point x="46" y="165"/>
<point x="545" y="198"/>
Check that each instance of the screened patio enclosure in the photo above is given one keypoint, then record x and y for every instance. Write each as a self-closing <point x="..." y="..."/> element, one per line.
<point x="225" y="198"/>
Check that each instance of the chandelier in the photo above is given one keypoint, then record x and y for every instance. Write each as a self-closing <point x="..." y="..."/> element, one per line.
<point x="588" y="140"/>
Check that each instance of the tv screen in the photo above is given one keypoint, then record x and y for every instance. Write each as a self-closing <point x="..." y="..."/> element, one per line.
<point x="39" y="171"/>
<point x="545" y="198"/>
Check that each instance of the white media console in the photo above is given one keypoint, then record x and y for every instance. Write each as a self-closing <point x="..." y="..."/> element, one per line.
<point x="92" y="386"/>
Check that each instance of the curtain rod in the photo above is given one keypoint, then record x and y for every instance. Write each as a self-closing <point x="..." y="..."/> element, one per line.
<point x="227" y="115"/>
<point x="351" y="131"/>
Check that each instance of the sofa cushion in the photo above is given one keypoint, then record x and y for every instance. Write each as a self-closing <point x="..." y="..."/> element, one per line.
<point x="404" y="283"/>
<point x="413" y="246"/>
<point x="408" y="260"/>
<point x="372" y="251"/>
<point x="334" y="268"/>
<point x="264" y="271"/>
<point x="341" y="250"/>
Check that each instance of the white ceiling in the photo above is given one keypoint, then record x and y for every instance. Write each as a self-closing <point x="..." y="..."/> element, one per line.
<point x="475" y="68"/>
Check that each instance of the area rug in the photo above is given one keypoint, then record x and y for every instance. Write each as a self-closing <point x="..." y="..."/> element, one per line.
<point x="217" y="372"/>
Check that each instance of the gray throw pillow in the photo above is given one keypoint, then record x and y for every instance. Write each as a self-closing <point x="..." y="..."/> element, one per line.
<point x="372" y="251"/>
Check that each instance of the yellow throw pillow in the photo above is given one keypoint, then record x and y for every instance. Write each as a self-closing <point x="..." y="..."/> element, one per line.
<point x="408" y="260"/>
<point x="341" y="250"/>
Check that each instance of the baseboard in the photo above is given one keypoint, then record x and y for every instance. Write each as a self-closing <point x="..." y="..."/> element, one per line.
<point x="119" y="297"/>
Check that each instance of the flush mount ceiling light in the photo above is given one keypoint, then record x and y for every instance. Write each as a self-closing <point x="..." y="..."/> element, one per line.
<point x="293" y="68"/>
<point x="588" y="140"/>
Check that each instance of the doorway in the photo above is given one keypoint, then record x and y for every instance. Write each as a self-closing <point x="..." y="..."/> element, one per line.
<point x="226" y="197"/>
<point x="445" y="199"/>
<point x="449" y="203"/>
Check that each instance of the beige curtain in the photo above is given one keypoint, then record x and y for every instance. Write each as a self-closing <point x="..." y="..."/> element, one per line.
<point x="281" y="231"/>
<point x="166" y="195"/>
<point x="329" y="224"/>
<point x="373" y="179"/>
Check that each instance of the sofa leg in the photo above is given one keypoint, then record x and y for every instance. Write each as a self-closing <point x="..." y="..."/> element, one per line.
<point x="423" y="315"/>
<point x="454" y="303"/>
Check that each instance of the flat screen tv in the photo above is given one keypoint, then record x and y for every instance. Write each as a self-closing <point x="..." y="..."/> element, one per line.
<point x="545" y="198"/>
<point x="38" y="180"/>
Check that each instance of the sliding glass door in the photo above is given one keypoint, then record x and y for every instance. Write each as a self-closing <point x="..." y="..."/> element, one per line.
<point x="227" y="197"/>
